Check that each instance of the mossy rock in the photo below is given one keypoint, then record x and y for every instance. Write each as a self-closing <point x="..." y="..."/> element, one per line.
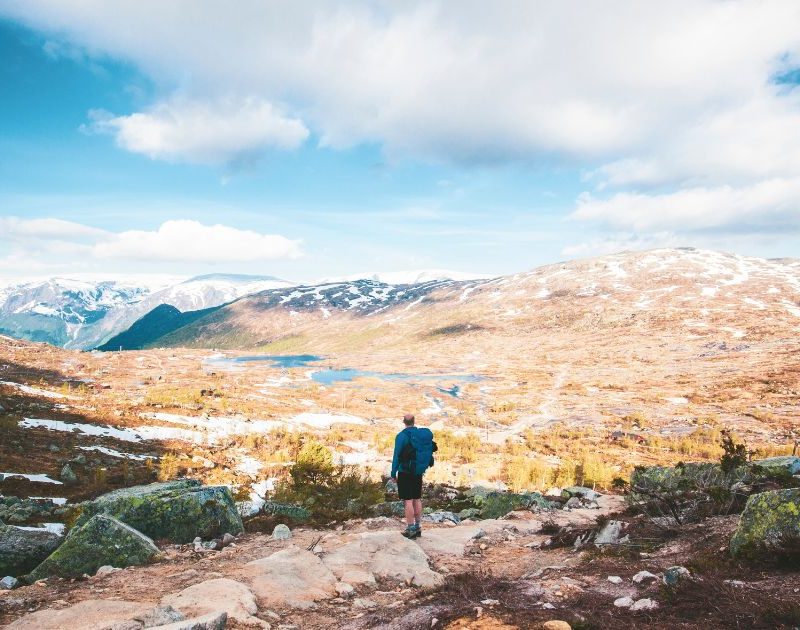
<point x="769" y="529"/>
<point x="293" y="512"/>
<point x="498" y="504"/>
<point x="22" y="550"/>
<point x="102" y="540"/>
<point x="178" y="511"/>
<point x="787" y="464"/>
<point x="673" y="477"/>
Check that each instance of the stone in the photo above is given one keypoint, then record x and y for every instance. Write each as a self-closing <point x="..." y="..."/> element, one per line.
<point x="343" y="589"/>
<point x="574" y="503"/>
<point x="673" y="575"/>
<point x="281" y="532"/>
<point x="102" y="540"/>
<point x="391" y="487"/>
<point x="644" y="604"/>
<point x="582" y="492"/>
<point x="159" y="616"/>
<point x="291" y="577"/>
<point x="22" y="550"/>
<point x="644" y="576"/>
<point x="105" y="570"/>
<point x="498" y="504"/>
<point x="615" y="579"/>
<point x="211" y="621"/>
<point x="177" y="511"/>
<point x="90" y="614"/>
<point x="220" y="594"/>
<point x="386" y="555"/>
<point x="292" y="512"/>
<point x="228" y="539"/>
<point x="469" y="513"/>
<point x="364" y="603"/>
<point x="788" y="463"/>
<point x="9" y="583"/>
<point x="79" y="459"/>
<point x="54" y="448"/>
<point x="441" y="517"/>
<point x="450" y="542"/>
<point x="556" y="624"/>
<point x="67" y="475"/>
<point x="623" y="602"/>
<point x="769" y="527"/>
<point x="610" y="533"/>
<point x="389" y="508"/>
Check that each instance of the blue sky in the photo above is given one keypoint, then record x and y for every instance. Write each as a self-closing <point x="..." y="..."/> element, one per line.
<point x="312" y="140"/>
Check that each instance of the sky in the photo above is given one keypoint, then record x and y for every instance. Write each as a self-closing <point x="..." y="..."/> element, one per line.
<point x="315" y="139"/>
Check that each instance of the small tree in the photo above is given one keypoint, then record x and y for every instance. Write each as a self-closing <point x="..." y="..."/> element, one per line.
<point x="734" y="456"/>
<point x="314" y="464"/>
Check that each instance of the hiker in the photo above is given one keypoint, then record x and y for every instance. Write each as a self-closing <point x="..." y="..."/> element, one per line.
<point x="413" y="455"/>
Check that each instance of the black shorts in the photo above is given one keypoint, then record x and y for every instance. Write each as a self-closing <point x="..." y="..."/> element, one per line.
<point x="409" y="486"/>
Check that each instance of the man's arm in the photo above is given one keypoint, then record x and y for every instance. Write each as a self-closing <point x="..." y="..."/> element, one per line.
<point x="398" y="446"/>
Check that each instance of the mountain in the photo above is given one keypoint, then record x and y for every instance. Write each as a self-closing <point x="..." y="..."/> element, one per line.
<point x="86" y="312"/>
<point x="407" y="277"/>
<point x="695" y="293"/>
<point x="162" y="320"/>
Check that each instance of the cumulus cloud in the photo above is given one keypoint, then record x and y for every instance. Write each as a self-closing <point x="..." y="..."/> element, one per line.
<point x="221" y="132"/>
<point x="45" y="241"/>
<point x="643" y="96"/>
<point x="764" y="206"/>
<point x="190" y="241"/>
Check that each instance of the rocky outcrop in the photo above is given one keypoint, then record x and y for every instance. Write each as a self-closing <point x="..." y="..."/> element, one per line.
<point x="91" y="614"/>
<point x="386" y="555"/>
<point x="212" y="596"/>
<point x="178" y="511"/>
<point x="102" y="540"/>
<point x="769" y="528"/>
<point x="291" y="577"/>
<point x="22" y="550"/>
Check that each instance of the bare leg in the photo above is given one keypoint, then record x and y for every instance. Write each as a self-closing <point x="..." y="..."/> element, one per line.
<point x="409" y="507"/>
<point x="417" y="511"/>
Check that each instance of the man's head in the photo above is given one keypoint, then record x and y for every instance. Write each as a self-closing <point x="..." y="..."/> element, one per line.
<point x="408" y="419"/>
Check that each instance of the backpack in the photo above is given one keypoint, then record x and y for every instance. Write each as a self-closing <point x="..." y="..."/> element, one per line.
<point x="419" y="450"/>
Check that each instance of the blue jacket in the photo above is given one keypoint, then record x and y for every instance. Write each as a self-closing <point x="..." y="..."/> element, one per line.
<point x="400" y="441"/>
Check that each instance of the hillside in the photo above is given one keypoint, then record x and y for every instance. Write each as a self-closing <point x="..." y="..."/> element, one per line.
<point x="162" y="320"/>
<point x="687" y="293"/>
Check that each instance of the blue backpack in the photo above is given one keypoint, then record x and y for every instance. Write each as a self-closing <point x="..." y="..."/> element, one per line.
<point x="420" y="456"/>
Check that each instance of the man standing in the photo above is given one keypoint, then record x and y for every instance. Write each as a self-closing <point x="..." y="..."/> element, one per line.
<point x="413" y="455"/>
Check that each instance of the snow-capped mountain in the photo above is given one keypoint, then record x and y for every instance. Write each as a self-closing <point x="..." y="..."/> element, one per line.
<point x="84" y="311"/>
<point x="417" y="276"/>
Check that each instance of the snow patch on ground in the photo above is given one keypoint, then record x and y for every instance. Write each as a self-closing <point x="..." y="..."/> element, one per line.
<point x="36" y="391"/>
<point x="38" y="477"/>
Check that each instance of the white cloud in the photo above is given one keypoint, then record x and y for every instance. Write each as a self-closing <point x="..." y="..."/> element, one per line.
<point x="54" y="243"/>
<point x="190" y="241"/>
<point x="766" y="205"/>
<point x="677" y="94"/>
<point x="223" y="132"/>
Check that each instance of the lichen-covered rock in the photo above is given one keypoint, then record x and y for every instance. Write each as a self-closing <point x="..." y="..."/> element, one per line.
<point x="178" y="511"/>
<point x="659" y="477"/>
<point x="293" y="512"/>
<point x="281" y="532"/>
<point x="103" y="540"/>
<point x="769" y="528"/>
<point x="789" y="464"/>
<point x="22" y="550"/>
<point x="498" y="504"/>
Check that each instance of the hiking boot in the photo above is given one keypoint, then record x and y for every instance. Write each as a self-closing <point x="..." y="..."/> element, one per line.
<point x="411" y="532"/>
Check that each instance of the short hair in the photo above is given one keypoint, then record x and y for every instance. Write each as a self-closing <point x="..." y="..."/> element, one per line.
<point x="408" y="419"/>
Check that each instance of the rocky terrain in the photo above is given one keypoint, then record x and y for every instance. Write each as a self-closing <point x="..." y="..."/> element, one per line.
<point x="570" y="375"/>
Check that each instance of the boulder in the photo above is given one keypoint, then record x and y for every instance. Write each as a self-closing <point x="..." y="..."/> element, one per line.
<point x="292" y="512"/>
<point x="91" y="614"/>
<point x="644" y="604"/>
<point x="788" y="463"/>
<point x="498" y="504"/>
<point x="213" y="596"/>
<point x="675" y="574"/>
<point x="769" y="528"/>
<point x="103" y="540"/>
<point x="211" y="621"/>
<point x="281" y="532"/>
<point x="623" y="602"/>
<point x="644" y="576"/>
<point x="441" y="517"/>
<point x="67" y="475"/>
<point x="469" y="513"/>
<point x="22" y="550"/>
<point x="581" y="492"/>
<point x="178" y="511"/>
<point x="159" y="616"/>
<point x="610" y="534"/>
<point x="389" y="508"/>
<point x="290" y="577"/>
<point x="386" y="555"/>
<point x="9" y="583"/>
